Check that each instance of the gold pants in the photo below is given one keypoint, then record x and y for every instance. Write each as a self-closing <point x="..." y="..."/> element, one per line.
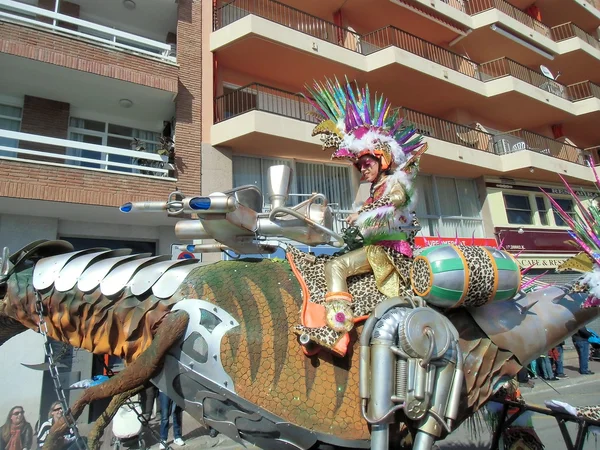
<point x="342" y="267"/>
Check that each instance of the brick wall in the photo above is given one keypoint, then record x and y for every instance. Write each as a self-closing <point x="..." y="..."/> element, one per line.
<point x="79" y="55"/>
<point x="36" y="181"/>
<point x="47" y="118"/>
<point x="188" y="126"/>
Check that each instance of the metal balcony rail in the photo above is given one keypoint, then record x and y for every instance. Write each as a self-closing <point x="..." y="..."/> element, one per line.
<point x="25" y="146"/>
<point x="22" y="13"/>
<point x="570" y="30"/>
<point x="503" y="67"/>
<point x="259" y="97"/>
<point x="392" y="36"/>
<point x="583" y="90"/>
<point x="528" y="140"/>
<point x="289" y="17"/>
<point x="473" y="7"/>
<point x="447" y="131"/>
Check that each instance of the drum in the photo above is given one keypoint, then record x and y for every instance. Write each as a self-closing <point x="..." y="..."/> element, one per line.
<point x="449" y="276"/>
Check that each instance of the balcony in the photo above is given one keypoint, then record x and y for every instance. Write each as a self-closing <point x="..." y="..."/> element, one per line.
<point x="503" y="67"/>
<point x="392" y="36"/>
<point x="570" y="30"/>
<point x="288" y="17"/>
<point x="258" y="134"/>
<point x="473" y="7"/>
<point x="73" y="27"/>
<point x="17" y="146"/>
<point x="583" y="90"/>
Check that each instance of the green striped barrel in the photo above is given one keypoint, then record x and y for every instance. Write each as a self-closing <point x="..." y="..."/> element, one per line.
<point x="448" y="276"/>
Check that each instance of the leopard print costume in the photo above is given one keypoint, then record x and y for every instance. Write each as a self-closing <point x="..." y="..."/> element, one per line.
<point x="589" y="412"/>
<point x="363" y="288"/>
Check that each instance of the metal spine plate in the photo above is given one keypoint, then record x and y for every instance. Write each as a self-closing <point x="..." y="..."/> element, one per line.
<point x="169" y="283"/>
<point x="93" y="275"/>
<point x="117" y="279"/>
<point x="47" y="269"/>
<point x="70" y="273"/>
<point x="145" y="278"/>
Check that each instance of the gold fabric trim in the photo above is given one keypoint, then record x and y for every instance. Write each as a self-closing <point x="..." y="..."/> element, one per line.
<point x="387" y="277"/>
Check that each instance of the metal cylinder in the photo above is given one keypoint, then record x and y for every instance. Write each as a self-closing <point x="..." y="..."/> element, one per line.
<point x="382" y="359"/>
<point x="133" y="207"/>
<point x="401" y="375"/>
<point x="215" y="204"/>
<point x="279" y="179"/>
<point x="188" y="230"/>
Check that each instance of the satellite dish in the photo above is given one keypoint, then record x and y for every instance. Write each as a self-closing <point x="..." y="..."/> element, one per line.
<point x="547" y="72"/>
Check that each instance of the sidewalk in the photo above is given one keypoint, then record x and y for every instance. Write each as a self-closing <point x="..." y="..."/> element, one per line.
<point x="197" y="438"/>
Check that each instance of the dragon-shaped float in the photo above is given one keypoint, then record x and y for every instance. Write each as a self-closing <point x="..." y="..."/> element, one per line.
<point x="376" y="347"/>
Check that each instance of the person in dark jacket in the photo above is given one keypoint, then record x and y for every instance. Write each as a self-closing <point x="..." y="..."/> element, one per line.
<point x="582" y="345"/>
<point x="16" y="433"/>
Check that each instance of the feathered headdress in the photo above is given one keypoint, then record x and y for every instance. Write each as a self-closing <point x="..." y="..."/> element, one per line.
<point x="354" y="126"/>
<point x="585" y="231"/>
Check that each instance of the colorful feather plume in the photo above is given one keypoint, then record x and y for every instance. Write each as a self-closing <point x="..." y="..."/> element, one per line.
<point x="354" y="122"/>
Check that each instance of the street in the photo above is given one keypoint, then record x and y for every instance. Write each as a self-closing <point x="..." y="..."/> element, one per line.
<point x="576" y="390"/>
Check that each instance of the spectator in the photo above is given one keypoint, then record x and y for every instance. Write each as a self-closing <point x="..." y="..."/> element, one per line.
<point x="582" y="345"/>
<point x="546" y="367"/>
<point x="55" y="413"/>
<point x="16" y="433"/>
<point x="558" y="355"/>
<point x="168" y="408"/>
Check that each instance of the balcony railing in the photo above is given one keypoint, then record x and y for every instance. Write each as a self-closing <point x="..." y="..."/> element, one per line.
<point x="583" y="90"/>
<point x="25" y="146"/>
<point x="570" y="30"/>
<point x="61" y="23"/>
<point x="392" y="36"/>
<point x="288" y="17"/>
<point x="527" y="140"/>
<point x="257" y="97"/>
<point x="503" y="67"/>
<point x="473" y="7"/>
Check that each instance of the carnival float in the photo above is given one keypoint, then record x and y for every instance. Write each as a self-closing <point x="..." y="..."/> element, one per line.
<point x="379" y="346"/>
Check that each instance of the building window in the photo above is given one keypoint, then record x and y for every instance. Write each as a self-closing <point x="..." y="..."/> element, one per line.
<point x="447" y="206"/>
<point x="329" y="179"/>
<point x="540" y="203"/>
<point x="10" y="120"/>
<point x="568" y="206"/>
<point x="518" y="209"/>
<point x="107" y="134"/>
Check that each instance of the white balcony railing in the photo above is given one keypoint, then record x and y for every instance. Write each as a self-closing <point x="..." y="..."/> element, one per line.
<point x="64" y="152"/>
<point x="26" y="14"/>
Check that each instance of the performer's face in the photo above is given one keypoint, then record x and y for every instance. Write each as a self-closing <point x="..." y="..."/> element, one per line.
<point x="369" y="168"/>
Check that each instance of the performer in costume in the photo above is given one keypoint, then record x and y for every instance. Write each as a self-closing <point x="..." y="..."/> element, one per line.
<point x="386" y="153"/>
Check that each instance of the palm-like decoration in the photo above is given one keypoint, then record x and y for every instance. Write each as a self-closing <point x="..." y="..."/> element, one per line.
<point x="585" y="231"/>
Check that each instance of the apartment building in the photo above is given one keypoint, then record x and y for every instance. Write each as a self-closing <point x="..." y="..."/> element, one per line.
<point x="92" y="93"/>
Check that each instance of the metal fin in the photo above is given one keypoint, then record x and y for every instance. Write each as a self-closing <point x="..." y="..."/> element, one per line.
<point x="168" y="284"/>
<point x="91" y="278"/>
<point x="70" y="273"/>
<point x="145" y="278"/>
<point x="117" y="279"/>
<point x="47" y="269"/>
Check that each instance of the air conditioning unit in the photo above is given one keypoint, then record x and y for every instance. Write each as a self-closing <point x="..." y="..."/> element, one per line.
<point x="507" y="143"/>
<point x="502" y="147"/>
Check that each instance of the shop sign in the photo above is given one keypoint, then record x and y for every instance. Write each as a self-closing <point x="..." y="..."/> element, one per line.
<point x="527" y="240"/>
<point x="429" y="241"/>
<point x="541" y="263"/>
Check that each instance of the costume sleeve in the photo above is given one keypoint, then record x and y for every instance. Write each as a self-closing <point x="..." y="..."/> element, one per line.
<point x="43" y="433"/>
<point x="397" y="197"/>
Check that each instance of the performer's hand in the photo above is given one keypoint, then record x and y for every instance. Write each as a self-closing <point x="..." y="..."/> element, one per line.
<point x="351" y="218"/>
